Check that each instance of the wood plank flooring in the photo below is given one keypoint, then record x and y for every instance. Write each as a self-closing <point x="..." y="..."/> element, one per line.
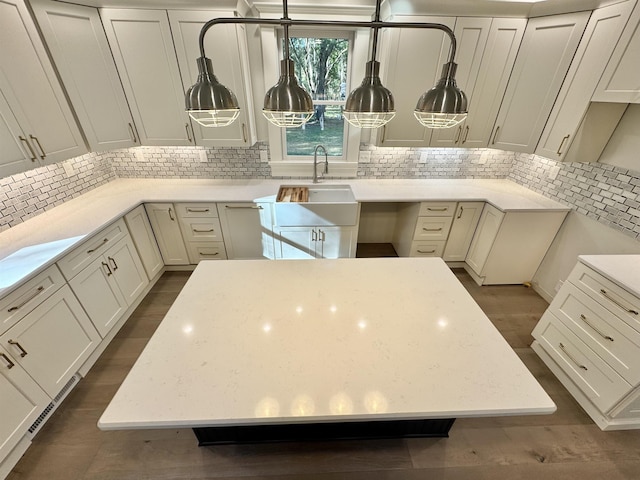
<point x="565" y="445"/>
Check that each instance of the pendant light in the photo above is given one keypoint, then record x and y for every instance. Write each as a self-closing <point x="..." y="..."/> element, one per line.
<point x="445" y="105"/>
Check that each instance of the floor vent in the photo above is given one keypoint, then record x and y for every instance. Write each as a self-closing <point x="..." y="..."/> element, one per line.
<point x="33" y="429"/>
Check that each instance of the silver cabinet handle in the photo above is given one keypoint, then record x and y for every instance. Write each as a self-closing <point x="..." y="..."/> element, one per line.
<point x="384" y="133"/>
<point x="209" y="254"/>
<point x="562" y="347"/>
<point x="26" y="142"/>
<point x="10" y="364"/>
<point x="439" y="209"/>
<point x="426" y="251"/>
<point x="89" y="252"/>
<point x="35" y="139"/>
<point x="38" y="291"/>
<point x="113" y="263"/>
<point x="197" y="210"/>
<point x="133" y="133"/>
<point x="244" y="133"/>
<point x="606" y="295"/>
<point x="460" y="214"/>
<point x="189" y="137"/>
<point x="606" y="337"/>
<point x="458" y="134"/>
<point x="322" y="235"/>
<point x="256" y="207"/>
<point x="564" y="139"/>
<point x="23" y="352"/>
<point x="466" y="134"/>
<point x="109" y="272"/>
<point x="195" y="230"/>
<point x="495" y="135"/>
<point x="171" y="215"/>
<point x="314" y="235"/>
<point x="432" y="229"/>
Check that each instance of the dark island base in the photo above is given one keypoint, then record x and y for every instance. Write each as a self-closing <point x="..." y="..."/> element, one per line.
<point x="323" y="431"/>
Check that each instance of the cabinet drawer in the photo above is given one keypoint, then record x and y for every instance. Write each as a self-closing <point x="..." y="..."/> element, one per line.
<point x="614" y="298"/>
<point x="72" y="263"/>
<point x="206" y="251"/>
<point x="200" y="210"/>
<point x="29" y="295"/>
<point x="612" y="339"/>
<point x="427" y="249"/>
<point x="598" y="381"/>
<point x="437" y="209"/>
<point x="201" y="229"/>
<point x="432" y="228"/>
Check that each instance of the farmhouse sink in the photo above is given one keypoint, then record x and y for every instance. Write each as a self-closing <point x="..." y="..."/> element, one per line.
<point x="316" y="205"/>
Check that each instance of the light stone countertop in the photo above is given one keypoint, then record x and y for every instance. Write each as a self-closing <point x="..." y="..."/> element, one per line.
<point x="623" y="270"/>
<point x="51" y="234"/>
<point x="341" y="340"/>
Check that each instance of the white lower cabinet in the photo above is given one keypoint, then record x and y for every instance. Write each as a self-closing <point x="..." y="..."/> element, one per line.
<point x="201" y="231"/>
<point x="52" y="341"/>
<point x="422" y="229"/>
<point x="315" y="242"/>
<point x="590" y="339"/>
<point x="463" y="227"/>
<point x="164" y="222"/>
<point x="246" y="230"/>
<point x="144" y="240"/>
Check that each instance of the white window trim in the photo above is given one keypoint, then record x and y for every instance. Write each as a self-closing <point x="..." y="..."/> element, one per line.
<point x="280" y="167"/>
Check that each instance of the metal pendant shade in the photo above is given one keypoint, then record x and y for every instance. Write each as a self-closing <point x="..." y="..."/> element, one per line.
<point x="445" y="105"/>
<point x="208" y="102"/>
<point x="370" y="105"/>
<point x="287" y="104"/>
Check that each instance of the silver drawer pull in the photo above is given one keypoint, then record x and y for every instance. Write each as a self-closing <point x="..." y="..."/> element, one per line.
<point x="10" y="364"/>
<point x="209" y="254"/>
<point x="606" y="337"/>
<point x="433" y="209"/>
<point x="38" y="291"/>
<point x="197" y="210"/>
<point x="109" y="272"/>
<point x="432" y="229"/>
<point x="460" y="214"/>
<point x="96" y="248"/>
<point x="606" y="295"/>
<point x="195" y="230"/>
<point x="256" y="207"/>
<point x="571" y="357"/>
<point x="426" y="251"/>
<point x="23" y="352"/>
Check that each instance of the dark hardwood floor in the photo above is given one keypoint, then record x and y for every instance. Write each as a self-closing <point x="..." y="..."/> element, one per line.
<point x="565" y="445"/>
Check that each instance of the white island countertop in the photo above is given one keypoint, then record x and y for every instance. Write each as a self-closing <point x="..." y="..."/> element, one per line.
<point x="296" y="341"/>
<point x="51" y="234"/>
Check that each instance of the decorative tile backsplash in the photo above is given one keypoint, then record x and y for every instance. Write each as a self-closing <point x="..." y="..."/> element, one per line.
<point x="610" y="195"/>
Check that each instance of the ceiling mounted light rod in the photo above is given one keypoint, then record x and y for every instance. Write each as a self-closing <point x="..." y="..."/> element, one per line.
<point x="287" y="104"/>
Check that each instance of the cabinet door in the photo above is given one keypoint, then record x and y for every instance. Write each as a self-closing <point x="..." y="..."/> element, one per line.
<point x="127" y="268"/>
<point x="15" y="154"/>
<point x="30" y="86"/>
<point x="408" y="79"/>
<point x="145" y="57"/>
<point x="22" y="402"/>
<point x="79" y="47"/>
<point x="499" y="56"/>
<point x="295" y="242"/>
<point x="99" y="295"/>
<point x="242" y="230"/>
<point x="544" y="57"/>
<point x="167" y="232"/>
<point x="53" y="341"/>
<point x="144" y="240"/>
<point x="230" y="66"/>
<point x="484" y="237"/>
<point x="334" y="242"/>
<point x="471" y="35"/>
<point x="464" y="226"/>
<point x="592" y="55"/>
<point x="621" y="79"/>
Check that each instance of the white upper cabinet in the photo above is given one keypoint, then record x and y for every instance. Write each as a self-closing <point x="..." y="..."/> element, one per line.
<point x="598" y="41"/>
<point x="143" y="49"/>
<point x="79" y="47"/>
<point x="621" y="79"/>
<point x="15" y="155"/>
<point x="499" y="56"/>
<point x="412" y="60"/>
<point x="544" y="57"/>
<point x="32" y="91"/>
<point x="230" y="65"/>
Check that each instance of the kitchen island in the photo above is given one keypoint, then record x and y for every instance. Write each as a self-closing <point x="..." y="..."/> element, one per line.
<point x="367" y="347"/>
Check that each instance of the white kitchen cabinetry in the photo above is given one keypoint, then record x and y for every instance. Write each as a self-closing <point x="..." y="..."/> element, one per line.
<point x="463" y="227"/>
<point x="22" y="402"/>
<point x="507" y="247"/>
<point x="52" y="341"/>
<point x="118" y="276"/>
<point x="31" y="89"/>
<point x="315" y="242"/>
<point x="143" y="50"/>
<point x="231" y="68"/>
<point x="412" y="63"/>
<point x="79" y="47"/>
<point x="15" y="156"/>
<point x="590" y="338"/>
<point x="559" y="140"/>
<point x="620" y="81"/>
<point x="547" y="48"/>
<point x="422" y="229"/>
<point x="166" y="229"/>
<point x="201" y="231"/>
<point x="144" y="240"/>
<point x="244" y="230"/>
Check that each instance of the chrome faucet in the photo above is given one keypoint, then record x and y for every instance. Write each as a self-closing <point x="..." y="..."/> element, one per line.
<point x="315" y="162"/>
